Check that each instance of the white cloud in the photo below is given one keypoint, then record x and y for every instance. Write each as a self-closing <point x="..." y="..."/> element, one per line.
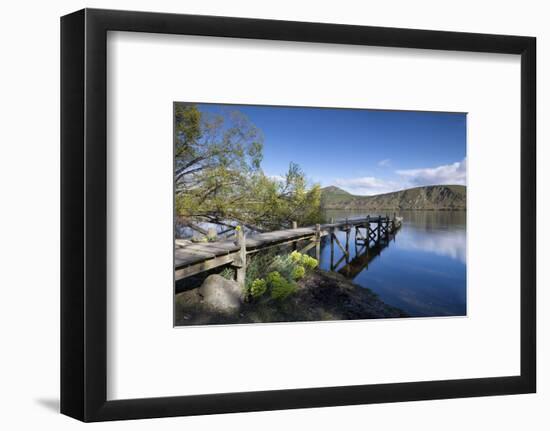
<point x="451" y="243"/>
<point x="278" y="178"/>
<point x="455" y="173"/>
<point x="384" y="163"/>
<point x="366" y="185"/>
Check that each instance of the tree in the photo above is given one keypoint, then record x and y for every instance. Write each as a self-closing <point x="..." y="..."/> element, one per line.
<point x="218" y="178"/>
<point x="214" y="155"/>
<point x="229" y="144"/>
<point x="278" y="203"/>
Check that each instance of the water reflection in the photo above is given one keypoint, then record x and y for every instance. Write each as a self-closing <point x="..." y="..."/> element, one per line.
<point x="422" y="270"/>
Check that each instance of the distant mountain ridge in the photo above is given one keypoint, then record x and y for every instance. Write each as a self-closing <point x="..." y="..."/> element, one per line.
<point x="439" y="197"/>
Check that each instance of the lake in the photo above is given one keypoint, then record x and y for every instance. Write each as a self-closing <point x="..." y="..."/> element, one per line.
<point x="422" y="271"/>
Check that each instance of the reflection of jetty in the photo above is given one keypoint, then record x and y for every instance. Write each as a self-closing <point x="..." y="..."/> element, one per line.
<point x="372" y="242"/>
<point x="196" y="258"/>
<point x="363" y="257"/>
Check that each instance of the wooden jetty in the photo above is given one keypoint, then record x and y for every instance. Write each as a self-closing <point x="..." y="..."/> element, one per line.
<point x="195" y="258"/>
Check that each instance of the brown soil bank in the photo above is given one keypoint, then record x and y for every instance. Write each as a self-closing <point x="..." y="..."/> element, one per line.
<point x="321" y="295"/>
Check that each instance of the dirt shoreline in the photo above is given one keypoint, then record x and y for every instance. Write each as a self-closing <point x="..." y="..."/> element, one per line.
<point x="320" y="296"/>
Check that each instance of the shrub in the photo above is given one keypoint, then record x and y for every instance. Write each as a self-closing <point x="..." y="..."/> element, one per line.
<point x="258" y="266"/>
<point x="298" y="272"/>
<point x="296" y="256"/>
<point x="258" y="287"/>
<point x="273" y="278"/>
<point x="309" y="262"/>
<point x="283" y="265"/>
<point x="282" y="271"/>
<point x="281" y="288"/>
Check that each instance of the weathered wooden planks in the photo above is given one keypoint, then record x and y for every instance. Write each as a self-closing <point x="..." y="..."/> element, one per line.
<point x="194" y="258"/>
<point x="188" y="270"/>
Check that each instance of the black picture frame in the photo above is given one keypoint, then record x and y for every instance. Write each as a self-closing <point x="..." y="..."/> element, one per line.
<point x="84" y="214"/>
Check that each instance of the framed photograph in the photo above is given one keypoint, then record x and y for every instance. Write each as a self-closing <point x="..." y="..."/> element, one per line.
<point x="262" y="215"/>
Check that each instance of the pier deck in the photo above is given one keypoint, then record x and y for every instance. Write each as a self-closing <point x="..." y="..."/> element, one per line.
<point x="195" y="258"/>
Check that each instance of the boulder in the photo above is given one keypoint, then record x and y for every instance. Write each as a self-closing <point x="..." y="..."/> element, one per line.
<point x="221" y="294"/>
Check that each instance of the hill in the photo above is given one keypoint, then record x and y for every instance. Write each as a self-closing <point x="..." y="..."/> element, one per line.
<point x="440" y="197"/>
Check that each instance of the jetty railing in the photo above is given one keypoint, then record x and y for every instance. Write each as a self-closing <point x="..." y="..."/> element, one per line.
<point x="192" y="259"/>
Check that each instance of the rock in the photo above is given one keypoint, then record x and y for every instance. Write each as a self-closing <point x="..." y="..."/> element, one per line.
<point x="221" y="294"/>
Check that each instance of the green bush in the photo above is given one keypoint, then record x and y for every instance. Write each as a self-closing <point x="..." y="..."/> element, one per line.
<point x="282" y="288"/>
<point x="296" y="256"/>
<point x="273" y="277"/>
<point x="258" y="287"/>
<point x="283" y="265"/>
<point x="298" y="272"/>
<point x="309" y="262"/>
<point x="282" y="271"/>
<point x="258" y="266"/>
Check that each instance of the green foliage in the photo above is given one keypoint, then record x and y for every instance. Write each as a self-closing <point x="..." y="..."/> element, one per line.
<point x="281" y="288"/>
<point x="219" y="179"/>
<point x="258" y="266"/>
<point x="298" y="272"/>
<point x="228" y="273"/>
<point x="214" y="157"/>
<point x="309" y="262"/>
<point x="273" y="278"/>
<point x="296" y="256"/>
<point x="282" y="271"/>
<point x="283" y="264"/>
<point x="258" y="287"/>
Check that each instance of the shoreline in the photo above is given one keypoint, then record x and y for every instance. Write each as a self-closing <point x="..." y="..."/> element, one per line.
<point x="321" y="296"/>
<point x="325" y="208"/>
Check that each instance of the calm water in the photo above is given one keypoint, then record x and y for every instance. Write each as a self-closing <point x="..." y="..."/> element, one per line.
<point x="423" y="269"/>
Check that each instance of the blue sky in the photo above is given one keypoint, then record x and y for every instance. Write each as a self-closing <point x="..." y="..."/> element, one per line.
<point x="365" y="152"/>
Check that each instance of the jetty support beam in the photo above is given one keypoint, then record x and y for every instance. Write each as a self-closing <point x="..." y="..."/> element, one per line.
<point x="318" y="242"/>
<point x="240" y="261"/>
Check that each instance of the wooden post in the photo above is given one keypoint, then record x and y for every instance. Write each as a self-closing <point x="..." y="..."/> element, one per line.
<point x="378" y="230"/>
<point x="347" y="242"/>
<point x="331" y="249"/>
<point x="332" y="220"/>
<point x="212" y="234"/>
<point x="240" y="263"/>
<point x="318" y="242"/>
<point x="295" y="243"/>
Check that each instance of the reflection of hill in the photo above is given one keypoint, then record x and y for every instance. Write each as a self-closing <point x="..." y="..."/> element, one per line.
<point x="430" y="220"/>
<point x="442" y="197"/>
